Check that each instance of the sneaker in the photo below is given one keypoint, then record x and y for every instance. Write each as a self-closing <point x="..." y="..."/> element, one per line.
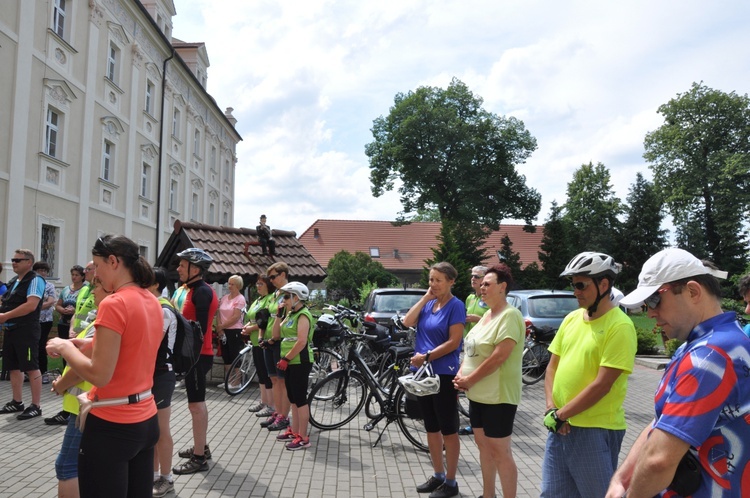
<point x="445" y="491"/>
<point x="220" y="386"/>
<point x="60" y="419"/>
<point x="288" y="435"/>
<point x="192" y="466"/>
<point x="256" y="407"/>
<point x="30" y="412"/>
<point x="265" y="412"/>
<point x="12" y="407"/>
<point x="281" y="423"/>
<point x="188" y="453"/>
<point x="180" y="384"/>
<point x="298" y="443"/>
<point x="45" y="378"/>
<point x="270" y="420"/>
<point x="431" y="485"/>
<point x="162" y="486"/>
<point x="465" y="431"/>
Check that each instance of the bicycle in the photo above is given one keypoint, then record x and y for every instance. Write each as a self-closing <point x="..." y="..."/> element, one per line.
<point x="535" y="354"/>
<point x="241" y="372"/>
<point x="339" y="398"/>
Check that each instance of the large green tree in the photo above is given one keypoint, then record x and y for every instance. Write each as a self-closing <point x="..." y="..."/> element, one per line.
<point x="450" y="154"/>
<point x="556" y="249"/>
<point x="348" y="272"/>
<point x="641" y="236"/>
<point x="700" y="158"/>
<point x="592" y="210"/>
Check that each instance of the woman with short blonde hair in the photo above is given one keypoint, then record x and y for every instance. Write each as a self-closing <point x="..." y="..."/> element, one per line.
<point x="229" y="322"/>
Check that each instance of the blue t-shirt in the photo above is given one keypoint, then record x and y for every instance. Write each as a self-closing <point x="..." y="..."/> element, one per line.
<point x="432" y="331"/>
<point x="704" y="399"/>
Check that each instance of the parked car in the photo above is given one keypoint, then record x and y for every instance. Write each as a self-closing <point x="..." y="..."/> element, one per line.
<point x="543" y="308"/>
<point x="382" y="304"/>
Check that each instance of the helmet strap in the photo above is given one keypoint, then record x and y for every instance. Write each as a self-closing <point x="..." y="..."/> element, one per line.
<point x="599" y="296"/>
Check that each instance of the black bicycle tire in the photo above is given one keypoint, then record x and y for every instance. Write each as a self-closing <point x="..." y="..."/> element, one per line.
<point x="327" y="403"/>
<point x="533" y="364"/>
<point x="463" y="404"/>
<point x="245" y="382"/>
<point x="402" y="420"/>
<point x="320" y="369"/>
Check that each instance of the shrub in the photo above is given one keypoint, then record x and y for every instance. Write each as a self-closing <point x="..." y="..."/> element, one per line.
<point x="728" y="304"/>
<point x="671" y="346"/>
<point x="647" y="343"/>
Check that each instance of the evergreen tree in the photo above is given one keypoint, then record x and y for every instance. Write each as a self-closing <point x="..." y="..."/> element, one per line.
<point x="556" y="250"/>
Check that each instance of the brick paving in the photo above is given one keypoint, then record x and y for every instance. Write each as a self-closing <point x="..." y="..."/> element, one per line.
<point x="247" y="460"/>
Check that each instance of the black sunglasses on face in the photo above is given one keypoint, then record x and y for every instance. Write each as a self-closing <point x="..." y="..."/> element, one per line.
<point x="580" y="285"/>
<point x="18" y="260"/>
<point x="271" y="277"/>
<point x="286" y="296"/>
<point x="476" y="276"/>
<point x="654" y="299"/>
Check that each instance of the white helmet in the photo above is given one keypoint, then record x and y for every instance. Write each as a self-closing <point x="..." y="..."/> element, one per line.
<point x="591" y="264"/>
<point x="421" y="383"/>
<point x="298" y="289"/>
<point x="326" y="320"/>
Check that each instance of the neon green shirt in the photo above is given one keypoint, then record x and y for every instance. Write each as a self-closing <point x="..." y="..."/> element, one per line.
<point x="289" y="336"/>
<point x="258" y="304"/>
<point x="85" y="302"/>
<point x="504" y="384"/>
<point x="583" y="347"/>
<point x="70" y="401"/>
<point x="474" y="306"/>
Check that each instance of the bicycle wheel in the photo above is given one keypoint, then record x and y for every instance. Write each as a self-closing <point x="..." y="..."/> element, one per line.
<point x="534" y="363"/>
<point x="241" y="373"/>
<point x="337" y="399"/>
<point x="326" y="361"/>
<point x="412" y="428"/>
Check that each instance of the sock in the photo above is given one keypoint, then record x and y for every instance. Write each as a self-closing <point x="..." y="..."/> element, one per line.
<point x="440" y="475"/>
<point x="451" y="483"/>
<point x="169" y="477"/>
<point x="156" y="476"/>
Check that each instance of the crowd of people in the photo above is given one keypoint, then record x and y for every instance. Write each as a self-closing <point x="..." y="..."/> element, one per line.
<point x="119" y="331"/>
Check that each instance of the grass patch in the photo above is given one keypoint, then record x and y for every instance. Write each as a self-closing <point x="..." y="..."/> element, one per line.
<point x="641" y="321"/>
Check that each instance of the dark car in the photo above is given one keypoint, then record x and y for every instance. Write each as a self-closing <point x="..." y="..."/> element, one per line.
<point x="382" y="304"/>
<point x="543" y="308"/>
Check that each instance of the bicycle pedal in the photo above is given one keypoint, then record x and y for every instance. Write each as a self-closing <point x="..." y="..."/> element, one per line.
<point x="369" y="427"/>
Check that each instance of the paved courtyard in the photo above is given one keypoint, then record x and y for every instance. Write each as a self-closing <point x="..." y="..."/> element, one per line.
<point x="247" y="460"/>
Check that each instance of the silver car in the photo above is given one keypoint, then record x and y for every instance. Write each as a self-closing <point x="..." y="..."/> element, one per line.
<point x="543" y="308"/>
<point x="382" y="304"/>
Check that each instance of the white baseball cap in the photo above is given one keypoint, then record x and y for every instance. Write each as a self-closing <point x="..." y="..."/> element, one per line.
<point x="668" y="265"/>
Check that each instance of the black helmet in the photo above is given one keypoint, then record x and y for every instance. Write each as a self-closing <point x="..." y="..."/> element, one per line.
<point x="197" y="257"/>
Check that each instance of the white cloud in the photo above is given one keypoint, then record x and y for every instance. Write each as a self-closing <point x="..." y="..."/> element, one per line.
<point x="307" y="79"/>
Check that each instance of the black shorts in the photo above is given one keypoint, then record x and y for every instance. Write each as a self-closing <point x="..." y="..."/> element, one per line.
<point x="260" y="366"/>
<point x="163" y="389"/>
<point x="495" y="420"/>
<point x="234" y="345"/>
<point x="195" y="379"/>
<point x="296" y="377"/>
<point x="21" y="347"/>
<point x="440" y="411"/>
<point x="272" y="356"/>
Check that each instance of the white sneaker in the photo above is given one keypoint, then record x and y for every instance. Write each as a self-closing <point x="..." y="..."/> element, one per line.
<point x="220" y="386"/>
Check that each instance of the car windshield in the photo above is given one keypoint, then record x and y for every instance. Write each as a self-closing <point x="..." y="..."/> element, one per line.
<point x="391" y="303"/>
<point x="552" y="306"/>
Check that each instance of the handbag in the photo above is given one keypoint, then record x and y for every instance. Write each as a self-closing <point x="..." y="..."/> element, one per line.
<point x="688" y="476"/>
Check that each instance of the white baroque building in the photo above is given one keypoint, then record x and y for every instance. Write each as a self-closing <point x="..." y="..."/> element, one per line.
<point x="105" y="127"/>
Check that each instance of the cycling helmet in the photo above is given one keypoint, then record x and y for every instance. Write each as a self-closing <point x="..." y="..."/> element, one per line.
<point x="591" y="264"/>
<point x="298" y="289"/>
<point x="197" y="257"/>
<point x="421" y="383"/>
<point x="326" y="320"/>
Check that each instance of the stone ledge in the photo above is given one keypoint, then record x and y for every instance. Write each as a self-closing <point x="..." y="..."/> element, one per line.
<point x="655" y="362"/>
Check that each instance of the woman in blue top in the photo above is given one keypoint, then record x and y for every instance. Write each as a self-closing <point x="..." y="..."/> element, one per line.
<point x="439" y="317"/>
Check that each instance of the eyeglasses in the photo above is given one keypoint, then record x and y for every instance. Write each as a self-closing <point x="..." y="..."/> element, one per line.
<point x="476" y="276"/>
<point x="654" y="299"/>
<point x="272" y="277"/>
<point x="18" y="260"/>
<point x="580" y="285"/>
<point x="286" y="296"/>
<point x="88" y="270"/>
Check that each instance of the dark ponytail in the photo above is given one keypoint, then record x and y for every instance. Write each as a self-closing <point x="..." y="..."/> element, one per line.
<point x="127" y="252"/>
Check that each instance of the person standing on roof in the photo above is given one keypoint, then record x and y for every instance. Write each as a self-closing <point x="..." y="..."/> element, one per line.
<point x="591" y="356"/>
<point x="200" y="305"/>
<point x="267" y="244"/>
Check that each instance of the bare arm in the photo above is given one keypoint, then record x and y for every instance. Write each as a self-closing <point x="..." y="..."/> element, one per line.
<point x="655" y="466"/>
<point x="549" y="380"/>
<point x="101" y="366"/>
<point x="412" y="316"/>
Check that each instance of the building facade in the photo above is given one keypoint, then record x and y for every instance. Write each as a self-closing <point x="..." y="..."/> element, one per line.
<point x="105" y="127"/>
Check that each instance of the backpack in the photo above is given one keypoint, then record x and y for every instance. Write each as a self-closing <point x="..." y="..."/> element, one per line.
<point x="187" y="344"/>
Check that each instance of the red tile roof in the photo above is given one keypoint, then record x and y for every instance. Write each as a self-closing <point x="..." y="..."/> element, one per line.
<point x="413" y="241"/>
<point x="236" y="251"/>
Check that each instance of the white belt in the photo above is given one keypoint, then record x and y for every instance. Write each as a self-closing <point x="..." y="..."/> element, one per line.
<point x="126" y="400"/>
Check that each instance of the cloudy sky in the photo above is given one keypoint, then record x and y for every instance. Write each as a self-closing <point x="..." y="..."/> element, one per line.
<point x="307" y="78"/>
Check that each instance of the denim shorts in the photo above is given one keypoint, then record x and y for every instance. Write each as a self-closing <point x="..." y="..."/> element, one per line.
<point x="66" y="465"/>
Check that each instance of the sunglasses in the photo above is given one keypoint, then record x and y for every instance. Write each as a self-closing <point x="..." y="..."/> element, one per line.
<point x="476" y="276"/>
<point x="580" y="285"/>
<point x="654" y="299"/>
<point x="286" y="296"/>
<point x="18" y="260"/>
<point x="272" y="277"/>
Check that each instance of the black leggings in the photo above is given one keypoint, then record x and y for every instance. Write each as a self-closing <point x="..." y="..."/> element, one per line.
<point x="117" y="460"/>
<point x="260" y="366"/>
